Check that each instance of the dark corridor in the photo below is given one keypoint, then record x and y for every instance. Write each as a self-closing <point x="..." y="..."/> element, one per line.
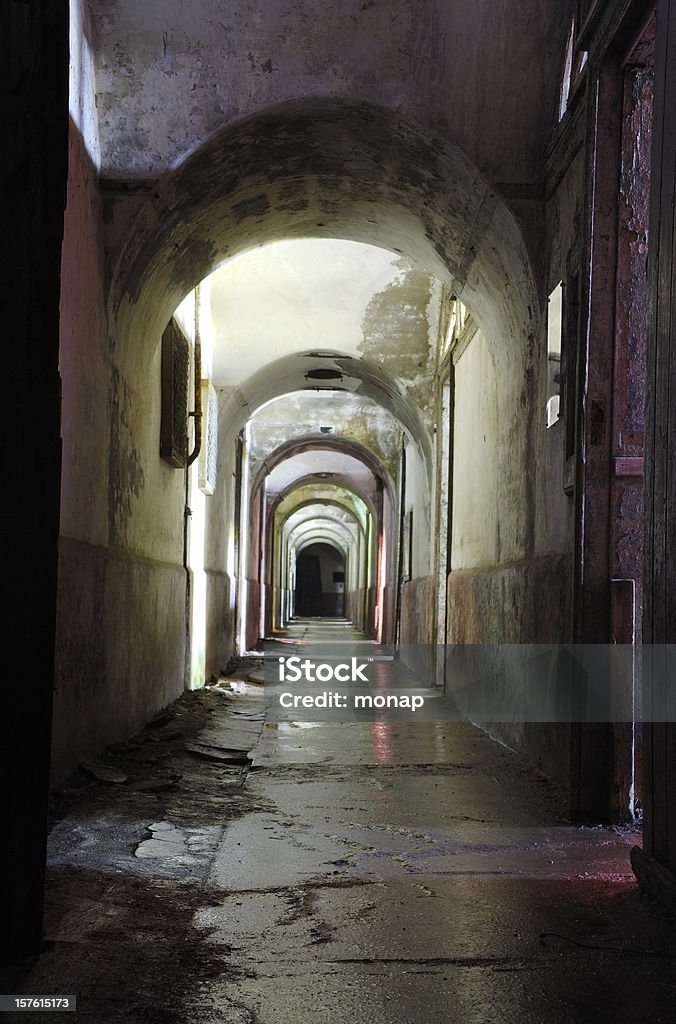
<point x="320" y="577"/>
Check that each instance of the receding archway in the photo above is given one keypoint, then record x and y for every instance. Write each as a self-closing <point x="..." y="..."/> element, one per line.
<point x="358" y="490"/>
<point x="320" y="168"/>
<point x="317" y="168"/>
<point x="331" y="169"/>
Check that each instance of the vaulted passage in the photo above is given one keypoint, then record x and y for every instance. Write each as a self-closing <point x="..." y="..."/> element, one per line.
<point x="355" y="657"/>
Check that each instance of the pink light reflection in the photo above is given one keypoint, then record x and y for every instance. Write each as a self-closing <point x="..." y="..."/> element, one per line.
<point x="381" y="742"/>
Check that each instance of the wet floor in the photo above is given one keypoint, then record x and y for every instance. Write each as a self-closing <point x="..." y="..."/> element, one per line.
<point x="250" y="870"/>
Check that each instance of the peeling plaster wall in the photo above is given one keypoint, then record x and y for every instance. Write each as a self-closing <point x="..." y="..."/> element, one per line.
<point x="119" y="651"/>
<point x="417" y="624"/>
<point x="146" y="493"/>
<point x="418" y="617"/>
<point x="301" y="415"/>
<point x="511" y="559"/>
<point x="418" y="500"/>
<point x="496" y="424"/>
<point x="254" y="585"/>
<point x="220" y="554"/>
<point x="210" y="62"/>
<point x="328" y="294"/>
<point x="480" y="507"/>
<point x="493" y="505"/>
<point x="400" y="333"/>
<point x="515" y="584"/>
<point x="522" y="602"/>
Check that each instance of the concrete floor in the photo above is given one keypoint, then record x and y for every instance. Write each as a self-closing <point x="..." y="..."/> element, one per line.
<point x="246" y="870"/>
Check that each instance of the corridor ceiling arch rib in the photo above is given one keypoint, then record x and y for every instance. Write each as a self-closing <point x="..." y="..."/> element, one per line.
<point x="322" y="516"/>
<point x="333" y="373"/>
<point x="341" y="450"/>
<point x="325" y="487"/>
<point x="305" y="536"/>
<point x="325" y="169"/>
<point x="315" y="511"/>
<point x="320" y="531"/>
<point x="298" y="501"/>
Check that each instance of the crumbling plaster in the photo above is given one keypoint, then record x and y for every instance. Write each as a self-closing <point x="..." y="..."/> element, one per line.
<point x="171" y="73"/>
<point x="322" y="169"/>
<point x="321" y="463"/>
<point x="327" y="294"/>
<point x="303" y="414"/>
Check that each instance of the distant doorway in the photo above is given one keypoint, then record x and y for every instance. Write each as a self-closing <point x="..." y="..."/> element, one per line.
<point x="320" y="582"/>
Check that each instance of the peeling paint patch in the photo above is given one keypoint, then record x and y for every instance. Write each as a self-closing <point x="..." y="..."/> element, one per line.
<point x="397" y="333"/>
<point x="126" y="477"/>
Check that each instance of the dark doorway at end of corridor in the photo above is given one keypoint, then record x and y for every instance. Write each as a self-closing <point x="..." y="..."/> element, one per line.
<point x="320" y="582"/>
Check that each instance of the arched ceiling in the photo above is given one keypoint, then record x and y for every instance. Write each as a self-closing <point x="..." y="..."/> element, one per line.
<point x="316" y="495"/>
<point x="169" y="73"/>
<point x="321" y="466"/>
<point x="328" y="295"/>
<point x="337" y="548"/>
<point x="323" y="169"/>
<point x="304" y="415"/>
<point x="334" y="458"/>
<point x="321" y="530"/>
<point x="321" y="512"/>
<point x="333" y="374"/>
